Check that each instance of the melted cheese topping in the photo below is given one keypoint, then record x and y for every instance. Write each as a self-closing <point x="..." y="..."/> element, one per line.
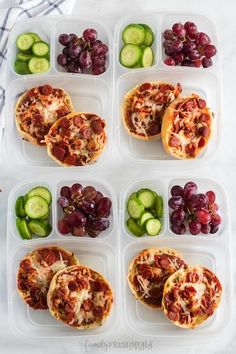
<point x="49" y="112"/>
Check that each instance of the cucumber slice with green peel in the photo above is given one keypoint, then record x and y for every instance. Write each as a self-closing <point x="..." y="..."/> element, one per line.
<point x="23" y="229"/>
<point x="40" y="49"/>
<point x="38" y="65"/>
<point x="159" y="206"/>
<point x="19" y="207"/>
<point x="24" y="41"/>
<point x="155" y="194"/>
<point x="149" y="35"/>
<point x="133" y="34"/>
<point x="134" y="228"/>
<point x="35" y="36"/>
<point x="25" y="57"/>
<point x="45" y="217"/>
<point x="146" y="197"/>
<point x="133" y="195"/>
<point x="40" y="228"/>
<point x="36" y="207"/>
<point x="21" y="68"/>
<point x="148" y="57"/>
<point x="135" y="208"/>
<point x="41" y="192"/>
<point x="147" y="215"/>
<point x="130" y="55"/>
<point x="153" y="227"/>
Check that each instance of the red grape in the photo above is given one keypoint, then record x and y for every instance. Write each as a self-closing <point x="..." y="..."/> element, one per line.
<point x="187" y="62"/>
<point x="76" y="189"/>
<point x="194" y="54"/>
<point x="214" y="229"/>
<point x="190" y="28"/>
<point x="176" y="202"/>
<point x="63" y="202"/>
<point x="210" y="51"/>
<point x="77" y="219"/>
<point x="211" y="197"/>
<point x="65" y="192"/>
<point x="176" y="46"/>
<point x="98" y="70"/>
<point x="73" y="37"/>
<point x="190" y="188"/>
<point x="62" y="60"/>
<point x="93" y="233"/>
<point x="89" y="192"/>
<point x="178" y="57"/>
<point x="189" y="46"/>
<point x="66" y="52"/>
<point x="99" y="196"/>
<point x="215" y="220"/>
<point x="168" y="34"/>
<point x="198" y="201"/>
<point x="202" y="39"/>
<point x="178" y="229"/>
<point x="214" y="207"/>
<point x="203" y="216"/>
<point x="177" y="217"/>
<point x="103" y="207"/>
<point x="85" y="59"/>
<point x="195" y="227"/>
<point x="206" y="62"/>
<point x="87" y="206"/>
<point x="176" y="190"/>
<point x="205" y="228"/>
<point x="90" y="35"/>
<point x="64" y="227"/>
<point x="169" y="61"/>
<point x="99" y="224"/>
<point x="99" y="60"/>
<point x="74" y="50"/>
<point x="64" y="39"/>
<point x="99" y="49"/>
<point x="178" y="29"/>
<point x="78" y="231"/>
<point x="74" y="67"/>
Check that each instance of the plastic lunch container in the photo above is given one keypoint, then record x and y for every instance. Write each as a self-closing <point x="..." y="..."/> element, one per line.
<point x="205" y="82"/>
<point x="212" y="251"/>
<point x="112" y="252"/>
<point x="89" y="93"/>
<point x="97" y="253"/>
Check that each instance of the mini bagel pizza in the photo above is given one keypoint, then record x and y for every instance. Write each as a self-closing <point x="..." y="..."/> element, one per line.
<point x="38" y="109"/>
<point x="186" y="127"/>
<point x="148" y="272"/>
<point x="143" y="108"/>
<point x="76" y="139"/>
<point x="190" y="296"/>
<point x="80" y="297"/>
<point x="36" y="271"/>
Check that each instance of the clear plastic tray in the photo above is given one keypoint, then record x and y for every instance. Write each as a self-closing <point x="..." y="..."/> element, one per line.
<point x="89" y="93"/>
<point x="205" y="82"/>
<point x="98" y="253"/>
<point x="212" y="251"/>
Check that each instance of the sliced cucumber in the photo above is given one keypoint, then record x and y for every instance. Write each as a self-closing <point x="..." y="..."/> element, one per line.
<point x="18" y="221"/>
<point x="134" y="228"/>
<point x="130" y="55"/>
<point x="159" y="206"/>
<point x="133" y="34"/>
<point x="35" y="36"/>
<point x="40" y="49"/>
<point x="149" y="35"/>
<point x="135" y="208"/>
<point x="25" y="57"/>
<point x="21" y="68"/>
<point x="147" y="215"/>
<point x="147" y="59"/>
<point x="44" y="217"/>
<point x="146" y="197"/>
<point x="24" y="41"/>
<point x="23" y="229"/>
<point x="38" y="65"/>
<point x="40" y="228"/>
<point x="36" y="207"/>
<point x="41" y="192"/>
<point x="153" y="226"/>
<point x="19" y="207"/>
<point x="133" y="195"/>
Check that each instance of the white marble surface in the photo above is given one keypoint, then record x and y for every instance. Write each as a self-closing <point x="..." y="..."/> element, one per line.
<point x="223" y="167"/>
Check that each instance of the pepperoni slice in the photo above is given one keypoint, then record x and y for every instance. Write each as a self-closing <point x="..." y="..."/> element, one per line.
<point x="174" y="142"/>
<point x="48" y="256"/>
<point x="164" y="263"/>
<point x="98" y="311"/>
<point x="32" y="93"/>
<point x="145" y="87"/>
<point x="154" y="128"/>
<point x="190" y="105"/>
<point x="61" y="112"/>
<point x="192" y="277"/>
<point x="65" y="132"/>
<point x="78" y="121"/>
<point x="201" y="103"/>
<point x="190" y="149"/>
<point x="86" y="133"/>
<point x="146" y="273"/>
<point x="58" y="152"/>
<point x="46" y="90"/>
<point x="87" y="305"/>
<point x="204" y="131"/>
<point x="173" y="316"/>
<point x="97" y="126"/>
<point x="64" y="123"/>
<point x="204" y="117"/>
<point x="165" y="87"/>
<point x="72" y="285"/>
<point x="201" y="142"/>
<point x="70" y="159"/>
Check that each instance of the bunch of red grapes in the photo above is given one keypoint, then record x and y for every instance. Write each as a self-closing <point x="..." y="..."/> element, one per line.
<point x="185" y="46"/>
<point x="196" y="210"/>
<point x="86" y="211"/>
<point x="83" y="54"/>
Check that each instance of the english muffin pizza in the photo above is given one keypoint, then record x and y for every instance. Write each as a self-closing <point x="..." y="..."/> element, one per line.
<point x="80" y="297"/>
<point x="38" y="109"/>
<point x="148" y="272"/>
<point x="143" y="108"/>
<point x="186" y="127"/>
<point x="76" y="139"/>
<point x="36" y="271"/>
<point x="190" y="296"/>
